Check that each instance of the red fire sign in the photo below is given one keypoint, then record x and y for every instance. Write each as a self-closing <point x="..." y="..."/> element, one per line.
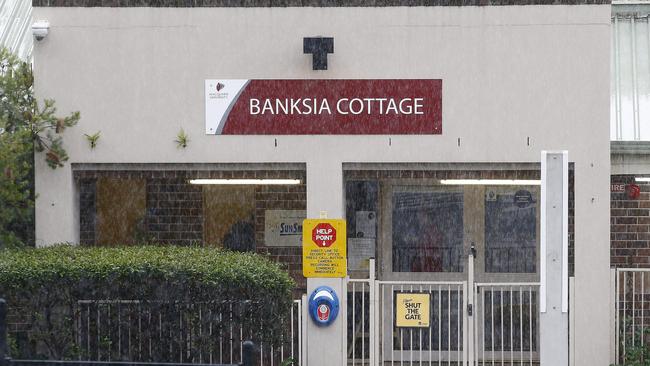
<point x="323" y="235"/>
<point x="633" y="191"/>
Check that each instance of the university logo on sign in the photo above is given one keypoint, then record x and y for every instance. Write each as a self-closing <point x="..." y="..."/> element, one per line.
<point x="323" y="107"/>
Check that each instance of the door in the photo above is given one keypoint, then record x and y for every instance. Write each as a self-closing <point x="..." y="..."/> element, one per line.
<point x="428" y="228"/>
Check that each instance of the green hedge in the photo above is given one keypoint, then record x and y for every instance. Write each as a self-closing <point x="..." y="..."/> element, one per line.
<point x="45" y="285"/>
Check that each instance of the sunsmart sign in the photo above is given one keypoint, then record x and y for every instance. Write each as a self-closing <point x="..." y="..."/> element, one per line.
<point x="323" y="107"/>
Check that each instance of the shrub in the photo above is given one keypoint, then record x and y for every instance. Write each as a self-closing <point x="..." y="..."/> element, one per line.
<point x="45" y="285"/>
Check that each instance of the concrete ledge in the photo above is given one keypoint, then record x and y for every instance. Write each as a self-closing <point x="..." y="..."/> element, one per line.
<point x="630" y="148"/>
<point x="303" y="3"/>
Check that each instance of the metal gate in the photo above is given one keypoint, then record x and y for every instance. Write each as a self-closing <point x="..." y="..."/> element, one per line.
<point x="631" y="297"/>
<point x="469" y="323"/>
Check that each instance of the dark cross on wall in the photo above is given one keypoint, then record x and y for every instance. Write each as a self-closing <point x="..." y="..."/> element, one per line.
<point x="319" y="47"/>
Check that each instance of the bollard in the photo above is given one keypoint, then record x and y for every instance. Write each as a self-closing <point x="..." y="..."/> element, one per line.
<point x="247" y="357"/>
<point x="4" y="359"/>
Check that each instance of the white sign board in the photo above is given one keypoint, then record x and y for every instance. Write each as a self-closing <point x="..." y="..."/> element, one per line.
<point x="366" y="224"/>
<point x="360" y="250"/>
<point x="283" y="228"/>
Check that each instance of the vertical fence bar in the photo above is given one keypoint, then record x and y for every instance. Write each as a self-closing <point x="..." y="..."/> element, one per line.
<point x="512" y="330"/>
<point x="492" y="323"/>
<point x="119" y="329"/>
<point x="448" y="325"/>
<point x="439" y="325"/>
<point x="401" y="337"/>
<point x="521" y="327"/>
<point x="363" y="322"/>
<point x="530" y="321"/>
<point x="617" y="306"/>
<point x="292" y="324"/>
<point x="77" y="325"/>
<point x="477" y="328"/>
<point x="231" y="336"/>
<point x="392" y="321"/>
<point x="210" y="353"/>
<point x="354" y="324"/>
<point x="129" y="337"/>
<point x="139" y="331"/>
<point x="109" y="330"/>
<point x="468" y="319"/>
<point x="643" y="306"/>
<point x="4" y="350"/>
<point x="221" y="334"/>
<point x="411" y="338"/>
<point x="98" y="334"/>
<point x="482" y="325"/>
<point x="303" y="323"/>
<point x="502" y="334"/>
<point x="420" y="329"/>
<point x="373" y="311"/>
<point x="624" y="309"/>
<point x="458" y="325"/>
<point x="88" y="331"/>
<point x="430" y="333"/>
<point x="382" y="290"/>
<point x="633" y="305"/>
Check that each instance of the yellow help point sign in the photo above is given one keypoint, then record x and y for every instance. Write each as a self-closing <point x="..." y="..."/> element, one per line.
<point x="412" y="310"/>
<point x="324" y="248"/>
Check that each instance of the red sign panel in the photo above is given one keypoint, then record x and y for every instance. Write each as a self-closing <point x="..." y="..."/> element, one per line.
<point x="323" y="107"/>
<point x="323" y="235"/>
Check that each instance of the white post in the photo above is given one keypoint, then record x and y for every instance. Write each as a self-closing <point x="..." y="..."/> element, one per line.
<point x="326" y="346"/>
<point x="572" y="321"/>
<point x="468" y="323"/>
<point x="303" y="330"/>
<point x="613" y="330"/>
<point x="554" y="281"/>
<point x="372" y="305"/>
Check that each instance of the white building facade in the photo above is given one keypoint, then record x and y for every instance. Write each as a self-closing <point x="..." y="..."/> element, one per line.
<point x="515" y="80"/>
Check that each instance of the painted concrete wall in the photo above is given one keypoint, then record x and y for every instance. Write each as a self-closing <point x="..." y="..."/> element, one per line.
<point x="509" y="73"/>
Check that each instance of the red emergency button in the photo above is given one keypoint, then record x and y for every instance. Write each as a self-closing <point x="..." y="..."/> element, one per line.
<point x="323" y="312"/>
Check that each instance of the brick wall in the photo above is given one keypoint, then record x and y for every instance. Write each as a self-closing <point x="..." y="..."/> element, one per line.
<point x="174" y="210"/>
<point x="276" y="197"/>
<point x="630" y="225"/>
<point x="87" y="209"/>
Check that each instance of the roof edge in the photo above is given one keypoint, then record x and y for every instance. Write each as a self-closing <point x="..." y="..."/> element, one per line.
<point x="302" y="3"/>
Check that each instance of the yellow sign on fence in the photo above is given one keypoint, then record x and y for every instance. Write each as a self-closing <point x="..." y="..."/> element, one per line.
<point x="324" y="248"/>
<point x="412" y="310"/>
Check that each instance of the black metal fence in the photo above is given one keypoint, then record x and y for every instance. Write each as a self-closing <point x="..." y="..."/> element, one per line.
<point x="246" y="352"/>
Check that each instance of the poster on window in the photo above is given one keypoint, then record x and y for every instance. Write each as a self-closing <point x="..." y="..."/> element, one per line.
<point x="283" y="228"/>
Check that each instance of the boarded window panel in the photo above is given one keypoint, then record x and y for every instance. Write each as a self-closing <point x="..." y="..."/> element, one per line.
<point x="428" y="231"/>
<point x="121" y="207"/>
<point x="224" y="207"/>
<point x="511" y="226"/>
